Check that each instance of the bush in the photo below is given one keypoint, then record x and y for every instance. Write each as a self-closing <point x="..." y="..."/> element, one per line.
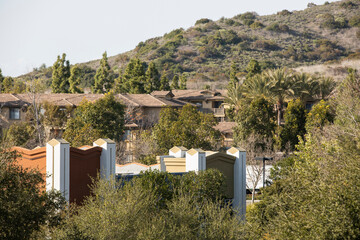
<point x="156" y="205"/>
<point x="355" y="21"/>
<point x="276" y="27"/>
<point x="256" y="25"/>
<point x="284" y="13"/>
<point x="202" y="21"/>
<point x="265" y="44"/>
<point x="229" y="22"/>
<point x="348" y="5"/>
<point x="19" y="134"/>
<point x="320" y="115"/>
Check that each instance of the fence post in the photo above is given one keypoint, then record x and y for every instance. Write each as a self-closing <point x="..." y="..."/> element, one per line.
<point x="58" y="166"/>
<point x="239" y="201"/>
<point x="195" y="160"/>
<point x="107" y="158"/>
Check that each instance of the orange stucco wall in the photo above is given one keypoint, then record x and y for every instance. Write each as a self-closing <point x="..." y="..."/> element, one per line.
<point x="32" y="159"/>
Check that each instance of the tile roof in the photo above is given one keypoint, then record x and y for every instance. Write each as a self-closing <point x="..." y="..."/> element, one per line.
<point x="225" y="127"/>
<point x="188" y="95"/>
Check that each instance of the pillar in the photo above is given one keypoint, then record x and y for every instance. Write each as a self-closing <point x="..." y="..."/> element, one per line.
<point x="239" y="201"/>
<point x="58" y="166"/>
<point x="107" y="158"/>
<point x="195" y="160"/>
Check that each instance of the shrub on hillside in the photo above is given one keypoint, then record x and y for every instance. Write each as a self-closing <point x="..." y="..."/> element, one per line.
<point x="276" y="27"/>
<point x="256" y="25"/>
<point x="355" y="21"/>
<point x="265" y="44"/>
<point x="284" y="13"/>
<point x="202" y="21"/>
<point x="348" y="5"/>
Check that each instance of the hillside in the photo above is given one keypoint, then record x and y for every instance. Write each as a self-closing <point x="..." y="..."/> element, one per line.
<point x="205" y="51"/>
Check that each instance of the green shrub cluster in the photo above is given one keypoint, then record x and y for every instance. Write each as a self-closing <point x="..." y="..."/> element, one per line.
<point x="202" y="21"/>
<point x="276" y="27"/>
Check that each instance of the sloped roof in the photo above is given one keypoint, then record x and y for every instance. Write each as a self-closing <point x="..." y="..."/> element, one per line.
<point x="189" y="95"/>
<point x="147" y="100"/>
<point x="68" y="99"/>
<point x="225" y="127"/>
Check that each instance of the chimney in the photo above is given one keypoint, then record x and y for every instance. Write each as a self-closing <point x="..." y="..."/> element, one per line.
<point x="178" y="152"/>
<point x="195" y="160"/>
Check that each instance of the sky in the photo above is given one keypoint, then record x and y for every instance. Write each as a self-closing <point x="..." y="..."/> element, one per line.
<point x="33" y="32"/>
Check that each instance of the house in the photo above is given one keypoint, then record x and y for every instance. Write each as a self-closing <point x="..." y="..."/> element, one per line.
<point x="208" y="101"/>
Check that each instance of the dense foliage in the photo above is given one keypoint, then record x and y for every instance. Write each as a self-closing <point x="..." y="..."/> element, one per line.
<point x="154" y="206"/>
<point x="185" y="127"/>
<point x="103" y="118"/>
<point x="315" y="194"/>
<point x="24" y="206"/>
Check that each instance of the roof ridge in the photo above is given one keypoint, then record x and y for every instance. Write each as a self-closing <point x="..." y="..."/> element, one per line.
<point x="126" y="97"/>
<point x="157" y="99"/>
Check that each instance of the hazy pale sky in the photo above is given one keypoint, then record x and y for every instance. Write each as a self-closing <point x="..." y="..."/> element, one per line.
<point x="33" y="32"/>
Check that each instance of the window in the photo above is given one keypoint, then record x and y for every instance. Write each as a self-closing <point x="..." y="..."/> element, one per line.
<point x="14" y="113"/>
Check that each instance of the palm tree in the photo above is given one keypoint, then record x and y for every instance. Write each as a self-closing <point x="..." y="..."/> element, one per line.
<point x="326" y="87"/>
<point x="282" y="87"/>
<point x="257" y="86"/>
<point x="235" y="96"/>
<point x="306" y="86"/>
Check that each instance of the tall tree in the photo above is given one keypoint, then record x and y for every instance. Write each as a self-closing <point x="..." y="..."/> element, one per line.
<point x="253" y="68"/>
<point x="281" y="88"/>
<point x="60" y="75"/>
<point x="103" y="78"/>
<point x="233" y="78"/>
<point x="175" y="82"/>
<point x="152" y="78"/>
<point x="75" y="80"/>
<point x="164" y="83"/>
<point x="183" y="81"/>
<point x="8" y="85"/>
<point x="134" y="76"/>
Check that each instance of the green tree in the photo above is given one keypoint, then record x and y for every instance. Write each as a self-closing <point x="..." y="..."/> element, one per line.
<point x="8" y="85"/>
<point x="134" y="77"/>
<point x="233" y="78"/>
<point x="152" y="79"/>
<point x="19" y="134"/>
<point x="164" y="83"/>
<point x="75" y="80"/>
<point x="256" y="118"/>
<point x="294" y="127"/>
<point x="281" y="88"/>
<point x="103" y="78"/>
<point x="185" y="127"/>
<point x="24" y="207"/>
<point x="60" y="75"/>
<point x="175" y="82"/>
<point x="320" y="115"/>
<point x="183" y="81"/>
<point x="104" y="118"/>
<point x="253" y="68"/>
